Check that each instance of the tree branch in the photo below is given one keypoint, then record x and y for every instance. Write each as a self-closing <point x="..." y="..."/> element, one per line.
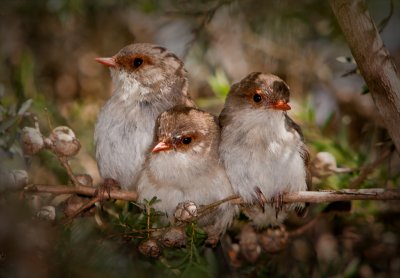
<point x="81" y="209"/>
<point x="368" y="169"/>
<point x="373" y="60"/>
<point x="81" y="190"/>
<point x="341" y="195"/>
<point x="64" y="163"/>
<point x="297" y="197"/>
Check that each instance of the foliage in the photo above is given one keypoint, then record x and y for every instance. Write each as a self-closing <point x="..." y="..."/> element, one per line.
<point x="219" y="84"/>
<point x="10" y="119"/>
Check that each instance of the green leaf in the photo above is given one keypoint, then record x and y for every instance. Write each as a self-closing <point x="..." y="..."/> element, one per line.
<point x="8" y="123"/>
<point x="12" y="109"/>
<point x="219" y="84"/>
<point x="152" y="201"/>
<point x="365" y="90"/>
<point x="24" y="107"/>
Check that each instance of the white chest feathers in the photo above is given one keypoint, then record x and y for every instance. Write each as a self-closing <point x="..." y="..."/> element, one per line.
<point x="176" y="177"/>
<point x="127" y="87"/>
<point x="124" y="131"/>
<point x="259" y="150"/>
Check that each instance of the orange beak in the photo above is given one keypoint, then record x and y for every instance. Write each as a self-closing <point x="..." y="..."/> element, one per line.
<point x="160" y="147"/>
<point x="281" y="105"/>
<point x="109" y="62"/>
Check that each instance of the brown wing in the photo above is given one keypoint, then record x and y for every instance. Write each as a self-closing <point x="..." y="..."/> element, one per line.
<point x="305" y="155"/>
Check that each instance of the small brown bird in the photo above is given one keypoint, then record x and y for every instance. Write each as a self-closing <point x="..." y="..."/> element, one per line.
<point x="262" y="148"/>
<point x="184" y="166"/>
<point x="147" y="79"/>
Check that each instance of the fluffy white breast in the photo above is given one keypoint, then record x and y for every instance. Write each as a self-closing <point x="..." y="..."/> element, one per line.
<point x="126" y="86"/>
<point x="124" y="130"/>
<point x="258" y="151"/>
<point x="177" y="168"/>
<point x="177" y="177"/>
<point x="121" y="142"/>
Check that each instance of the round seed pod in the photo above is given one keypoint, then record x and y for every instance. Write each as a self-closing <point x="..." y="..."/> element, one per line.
<point x="48" y="143"/>
<point x="31" y="140"/>
<point x="35" y="201"/>
<point x="85" y="179"/>
<point x="73" y="204"/>
<point x="47" y="213"/>
<point x="274" y="240"/>
<point x="323" y="165"/>
<point x="185" y="211"/>
<point x="150" y="248"/>
<point x="174" y="237"/>
<point x="13" y="179"/>
<point x="20" y="178"/>
<point x="64" y="141"/>
<point x="250" y="249"/>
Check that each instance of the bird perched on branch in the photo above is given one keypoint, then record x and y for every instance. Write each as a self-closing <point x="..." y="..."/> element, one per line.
<point x="262" y="148"/>
<point x="184" y="166"/>
<point x="147" y="79"/>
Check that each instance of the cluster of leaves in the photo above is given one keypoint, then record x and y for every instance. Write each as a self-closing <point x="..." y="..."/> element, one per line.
<point x="10" y="119"/>
<point x="138" y="222"/>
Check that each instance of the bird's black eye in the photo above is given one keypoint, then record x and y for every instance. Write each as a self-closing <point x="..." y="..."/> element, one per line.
<point x="186" y="140"/>
<point x="257" y="98"/>
<point x="137" y="62"/>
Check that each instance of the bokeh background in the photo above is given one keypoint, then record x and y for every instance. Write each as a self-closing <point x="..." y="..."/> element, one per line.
<point x="47" y="52"/>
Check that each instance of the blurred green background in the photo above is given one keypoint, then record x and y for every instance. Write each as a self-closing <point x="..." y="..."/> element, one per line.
<point x="47" y="51"/>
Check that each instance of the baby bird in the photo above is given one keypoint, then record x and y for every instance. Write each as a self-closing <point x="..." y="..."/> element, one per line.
<point x="184" y="166"/>
<point x="262" y="148"/>
<point x="147" y="79"/>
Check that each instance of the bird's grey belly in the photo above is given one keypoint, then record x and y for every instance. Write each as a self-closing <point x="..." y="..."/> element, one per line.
<point x="122" y="155"/>
<point x="271" y="175"/>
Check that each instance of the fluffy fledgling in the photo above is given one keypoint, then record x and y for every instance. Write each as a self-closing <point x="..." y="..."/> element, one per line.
<point x="147" y="79"/>
<point x="262" y="148"/>
<point x="184" y="166"/>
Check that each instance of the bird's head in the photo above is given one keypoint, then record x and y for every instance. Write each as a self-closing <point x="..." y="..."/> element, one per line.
<point x="260" y="91"/>
<point x="146" y="68"/>
<point x="186" y="130"/>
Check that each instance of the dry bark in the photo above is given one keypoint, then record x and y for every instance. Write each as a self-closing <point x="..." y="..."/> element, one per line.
<point x="302" y="196"/>
<point x="373" y="60"/>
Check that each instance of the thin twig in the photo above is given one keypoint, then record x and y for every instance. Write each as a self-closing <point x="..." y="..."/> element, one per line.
<point x="46" y="111"/>
<point x="368" y="169"/>
<point x="148" y="211"/>
<point x="64" y="162"/>
<point x="295" y="197"/>
<point x="82" y="190"/>
<point x="207" y="17"/>
<point x="350" y="72"/>
<point x="314" y="197"/>
<point x="142" y="231"/>
<point x="341" y="195"/>
<point x="301" y="230"/>
<point x="386" y="20"/>
<point x="333" y="208"/>
<point x="206" y="209"/>
<point x="81" y="209"/>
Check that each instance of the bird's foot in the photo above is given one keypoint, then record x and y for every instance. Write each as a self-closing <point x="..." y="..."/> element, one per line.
<point x="260" y="198"/>
<point x="107" y="186"/>
<point x="277" y="203"/>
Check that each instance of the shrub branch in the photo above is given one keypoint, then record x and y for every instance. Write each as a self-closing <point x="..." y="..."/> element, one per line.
<point x="296" y="197"/>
